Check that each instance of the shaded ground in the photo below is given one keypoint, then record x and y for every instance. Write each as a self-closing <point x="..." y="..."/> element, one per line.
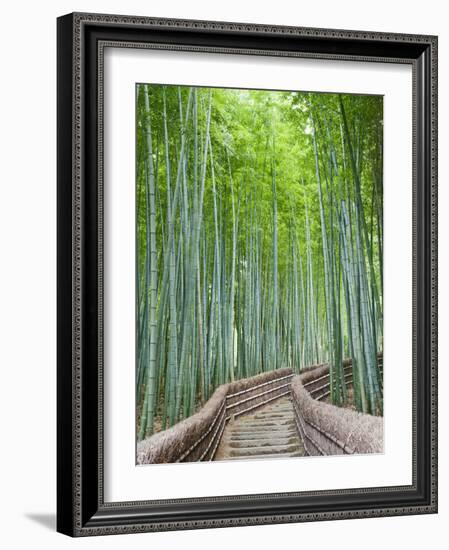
<point x="269" y="433"/>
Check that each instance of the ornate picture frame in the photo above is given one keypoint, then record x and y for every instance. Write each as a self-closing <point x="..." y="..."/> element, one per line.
<point x="81" y="507"/>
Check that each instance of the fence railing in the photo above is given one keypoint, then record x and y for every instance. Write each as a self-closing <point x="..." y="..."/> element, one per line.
<point x="319" y="388"/>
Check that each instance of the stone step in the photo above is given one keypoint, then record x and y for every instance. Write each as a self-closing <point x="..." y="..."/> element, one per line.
<point x="265" y="424"/>
<point x="272" y="449"/>
<point x="268" y="441"/>
<point x="262" y="424"/>
<point x="237" y="436"/>
<point x="269" y="414"/>
<point x="260" y="433"/>
<point x="271" y="418"/>
<point x="265" y="427"/>
<point x="266" y="456"/>
<point x="273" y="427"/>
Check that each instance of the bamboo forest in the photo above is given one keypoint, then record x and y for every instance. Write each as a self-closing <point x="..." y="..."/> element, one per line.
<point x="258" y="244"/>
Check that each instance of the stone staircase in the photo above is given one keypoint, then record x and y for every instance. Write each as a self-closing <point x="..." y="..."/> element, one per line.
<point x="269" y="433"/>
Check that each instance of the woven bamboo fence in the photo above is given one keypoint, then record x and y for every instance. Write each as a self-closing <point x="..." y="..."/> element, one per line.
<point x="326" y="429"/>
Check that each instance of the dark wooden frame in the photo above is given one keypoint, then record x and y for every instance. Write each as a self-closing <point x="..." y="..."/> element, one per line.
<point x="81" y="509"/>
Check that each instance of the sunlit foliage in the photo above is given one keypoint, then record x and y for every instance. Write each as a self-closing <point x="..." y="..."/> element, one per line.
<point x="259" y="242"/>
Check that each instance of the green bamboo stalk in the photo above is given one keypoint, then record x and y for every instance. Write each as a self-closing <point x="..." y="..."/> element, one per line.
<point x="147" y="418"/>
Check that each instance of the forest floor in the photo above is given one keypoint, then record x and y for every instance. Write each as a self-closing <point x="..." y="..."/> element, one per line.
<point x="349" y="401"/>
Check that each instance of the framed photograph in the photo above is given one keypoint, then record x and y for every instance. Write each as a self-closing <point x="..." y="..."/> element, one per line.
<point x="247" y="274"/>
